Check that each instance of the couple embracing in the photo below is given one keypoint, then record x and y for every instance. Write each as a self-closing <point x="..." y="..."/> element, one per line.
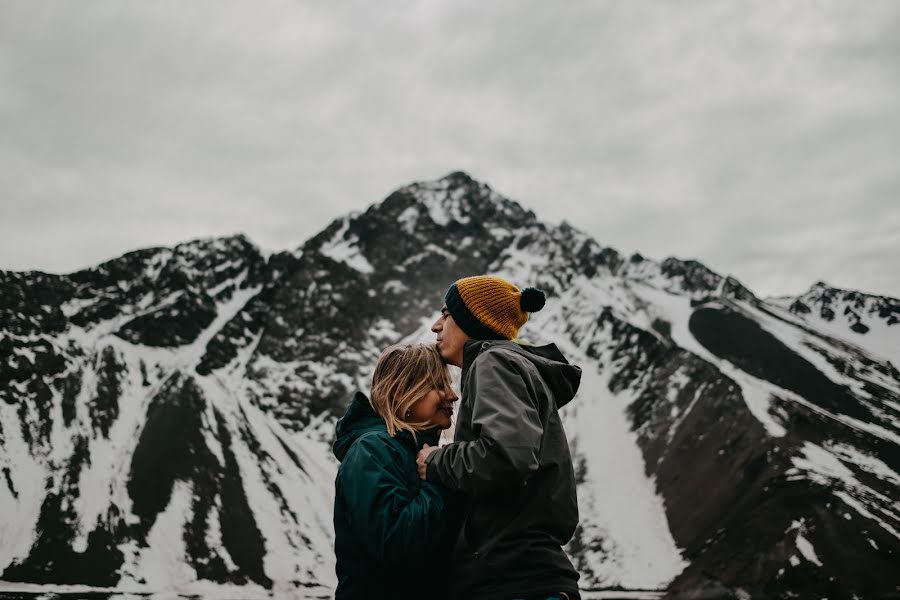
<point x="485" y="516"/>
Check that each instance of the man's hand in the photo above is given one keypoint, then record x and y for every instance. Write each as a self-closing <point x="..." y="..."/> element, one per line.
<point x="420" y="459"/>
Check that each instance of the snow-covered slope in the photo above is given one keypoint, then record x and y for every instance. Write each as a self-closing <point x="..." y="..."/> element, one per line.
<point x="165" y="418"/>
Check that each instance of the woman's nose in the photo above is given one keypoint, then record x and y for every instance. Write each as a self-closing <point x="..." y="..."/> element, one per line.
<point x="450" y="395"/>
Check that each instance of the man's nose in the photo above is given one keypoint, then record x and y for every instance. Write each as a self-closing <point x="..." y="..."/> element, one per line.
<point x="436" y="326"/>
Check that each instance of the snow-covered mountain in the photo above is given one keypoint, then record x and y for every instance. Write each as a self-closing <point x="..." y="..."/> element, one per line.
<point x="166" y="417"/>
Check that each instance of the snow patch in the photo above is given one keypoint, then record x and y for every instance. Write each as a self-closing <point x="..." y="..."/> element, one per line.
<point x="408" y="218"/>
<point x="807" y="550"/>
<point x="394" y="286"/>
<point x="443" y="206"/>
<point x="383" y="330"/>
<point x="345" y="249"/>
<point x="435" y="249"/>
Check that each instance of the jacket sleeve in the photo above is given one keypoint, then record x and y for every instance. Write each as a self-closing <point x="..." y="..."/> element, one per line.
<point x="396" y="523"/>
<point x="507" y="429"/>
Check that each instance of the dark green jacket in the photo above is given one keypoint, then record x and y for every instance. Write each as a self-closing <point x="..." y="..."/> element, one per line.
<point x="391" y="528"/>
<point x="511" y="460"/>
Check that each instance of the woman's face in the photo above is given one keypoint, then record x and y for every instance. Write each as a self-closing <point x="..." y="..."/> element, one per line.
<point x="435" y="408"/>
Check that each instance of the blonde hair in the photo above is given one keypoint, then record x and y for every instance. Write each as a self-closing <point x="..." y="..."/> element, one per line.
<point x="404" y="374"/>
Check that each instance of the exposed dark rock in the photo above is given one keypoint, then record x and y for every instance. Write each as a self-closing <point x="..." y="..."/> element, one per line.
<point x="240" y="535"/>
<point x="171" y="325"/>
<point x="30" y="302"/>
<point x="9" y="482"/>
<point x="104" y="408"/>
<point x="858" y="327"/>
<point x="143" y="367"/>
<point x="69" y="387"/>
<point x="662" y="327"/>
<point x="800" y="308"/>
<point x="171" y="447"/>
<point x="695" y="276"/>
<point x="741" y="341"/>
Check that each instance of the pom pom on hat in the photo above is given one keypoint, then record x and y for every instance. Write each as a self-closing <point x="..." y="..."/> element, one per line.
<point x="532" y="300"/>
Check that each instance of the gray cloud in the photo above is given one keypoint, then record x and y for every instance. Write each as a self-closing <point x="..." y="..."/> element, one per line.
<point x="758" y="137"/>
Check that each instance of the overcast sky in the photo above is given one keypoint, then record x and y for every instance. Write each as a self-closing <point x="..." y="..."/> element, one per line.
<point x="762" y="138"/>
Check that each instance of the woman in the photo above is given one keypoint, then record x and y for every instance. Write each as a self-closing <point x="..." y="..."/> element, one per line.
<point x="393" y="531"/>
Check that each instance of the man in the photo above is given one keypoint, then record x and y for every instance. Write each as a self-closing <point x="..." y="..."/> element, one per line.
<point x="510" y="458"/>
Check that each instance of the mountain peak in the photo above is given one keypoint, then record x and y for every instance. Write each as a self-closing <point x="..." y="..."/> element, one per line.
<point x="459" y="178"/>
<point x="237" y="242"/>
<point x="851" y="311"/>
<point x="821" y="287"/>
<point x="458" y="197"/>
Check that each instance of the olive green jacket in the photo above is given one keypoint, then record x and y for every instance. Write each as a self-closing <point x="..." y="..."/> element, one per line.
<point x="511" y="460"/>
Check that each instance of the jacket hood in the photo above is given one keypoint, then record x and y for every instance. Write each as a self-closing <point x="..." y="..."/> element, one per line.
<point x="562" y="377"/>
<point x="361" y="418"/>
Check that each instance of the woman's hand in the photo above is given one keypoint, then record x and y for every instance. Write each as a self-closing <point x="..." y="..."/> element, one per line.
<point x="420" y="459"/>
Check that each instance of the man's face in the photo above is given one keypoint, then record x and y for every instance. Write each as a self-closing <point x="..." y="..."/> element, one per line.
<point x="450" y="338"/>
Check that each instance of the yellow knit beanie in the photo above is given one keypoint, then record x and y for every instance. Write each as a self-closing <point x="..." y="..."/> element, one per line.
<point x="490" y="308"/>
